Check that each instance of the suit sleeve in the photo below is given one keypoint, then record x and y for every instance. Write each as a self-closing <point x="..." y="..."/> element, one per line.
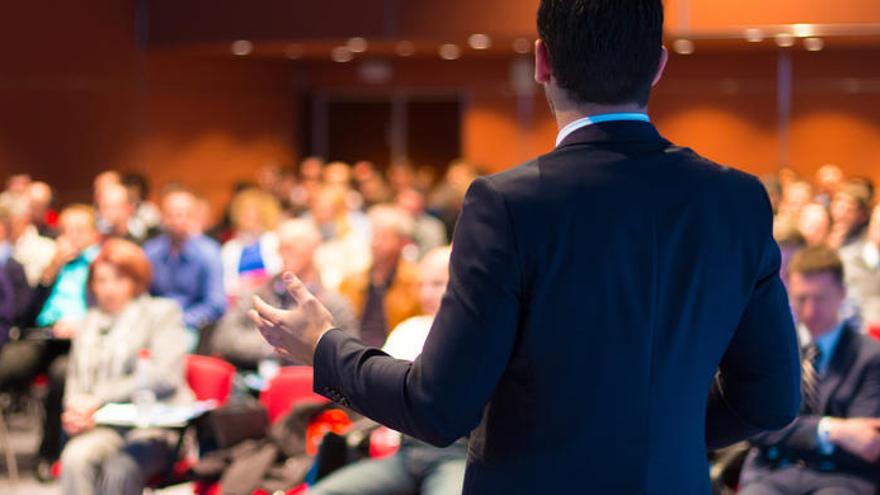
<point x="441" y="395"/>
<point x="757" y="387"/>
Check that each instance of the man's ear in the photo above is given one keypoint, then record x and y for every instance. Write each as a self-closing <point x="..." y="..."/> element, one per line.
<point x="542" y="63"/>
<point x="661" y="66"/>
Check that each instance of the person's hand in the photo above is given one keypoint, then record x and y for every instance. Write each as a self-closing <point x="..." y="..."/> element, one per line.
<point x="65" y="328"/>
<point x="78" y="417"/>
<point x="294" y="333"/>
<point x="65" y="251"/>
<point x="858" y="436"/>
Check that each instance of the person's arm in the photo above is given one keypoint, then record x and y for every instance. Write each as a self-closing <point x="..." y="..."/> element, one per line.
<point x="757" y="387"/>
<point x="212" y="301"/>
<point x="850" y="438"/>
<point x="441" y="395"/>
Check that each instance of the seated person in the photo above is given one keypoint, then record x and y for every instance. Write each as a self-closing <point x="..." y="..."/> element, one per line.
<point x="123" y="322"/>
<point x="116" y="215"/>
<point x="15" y="293"/>
<point x="250" y="257"/>
<point x="385" y="294"/>
<point x="834" y="445"/>
<point x="862" y="263"/>
<point x="417" y="467"/>
<point x="186" y="265"/>
<point x="237" y="340"/>
<point x="57" y="305"/>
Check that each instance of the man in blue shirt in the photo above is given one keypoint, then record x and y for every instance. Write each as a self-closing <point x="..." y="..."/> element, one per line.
<point x="834" y="445"/>
<point x="186" y="264"/>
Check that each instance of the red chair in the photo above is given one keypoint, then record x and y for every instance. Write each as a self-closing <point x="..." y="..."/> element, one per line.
<point x="292" y="384"/>
<point x="209" y="377"/>
<point x="874" y="330"/>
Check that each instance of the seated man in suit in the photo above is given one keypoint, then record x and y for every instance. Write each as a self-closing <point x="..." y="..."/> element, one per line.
<point x="834" y="445"/>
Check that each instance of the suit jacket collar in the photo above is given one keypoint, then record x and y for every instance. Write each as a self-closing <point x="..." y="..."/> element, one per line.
<point x="843" y="358"/>
<point x="615" y="132"/>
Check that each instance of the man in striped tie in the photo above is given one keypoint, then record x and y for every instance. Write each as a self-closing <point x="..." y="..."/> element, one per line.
<point x="834" y="445"/>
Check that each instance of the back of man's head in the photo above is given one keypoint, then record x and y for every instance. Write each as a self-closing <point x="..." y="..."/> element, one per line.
<point x="603" y="51"/>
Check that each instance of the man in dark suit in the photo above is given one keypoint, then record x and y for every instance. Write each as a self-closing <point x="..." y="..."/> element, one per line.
<point x="596" y="294"/>
<point x="833" y="446"/>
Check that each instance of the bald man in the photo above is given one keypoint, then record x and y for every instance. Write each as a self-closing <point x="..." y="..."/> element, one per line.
<point x="236" y="337"/>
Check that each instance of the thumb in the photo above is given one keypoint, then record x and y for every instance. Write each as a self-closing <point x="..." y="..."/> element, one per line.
<point x="296" y="288"/>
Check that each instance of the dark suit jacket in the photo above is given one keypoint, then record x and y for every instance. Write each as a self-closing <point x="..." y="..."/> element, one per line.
<point x="849" y="388"/>
<point x="594" y="292"/>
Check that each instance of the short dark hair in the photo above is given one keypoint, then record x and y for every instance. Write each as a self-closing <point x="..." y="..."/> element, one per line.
<point x="815" y="260"/>
<point x="603" y="51"/>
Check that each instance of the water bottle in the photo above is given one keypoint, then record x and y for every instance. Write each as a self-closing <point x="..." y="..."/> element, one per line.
<point x="144" y="397"/>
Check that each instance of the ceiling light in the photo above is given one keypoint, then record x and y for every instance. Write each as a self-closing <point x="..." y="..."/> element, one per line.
<point x="357" y="45"/>
<point x="753" y="35"/>
<point x="683" y="46"/>
<point x="784" y="40"/>
<point x="449" y="51"/>
<point x="814" y="44"/>
<point x="241" y="47"/>
<point x="341" y="54"/>
<point x="480" y="41"/>
<point x="522" y="46"/>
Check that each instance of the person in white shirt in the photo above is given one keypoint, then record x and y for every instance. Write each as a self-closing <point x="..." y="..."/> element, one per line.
<point x="416" y="467"/>
<point x="861" y="261"/>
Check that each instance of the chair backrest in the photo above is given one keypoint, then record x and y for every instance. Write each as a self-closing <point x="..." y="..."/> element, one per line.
<point x="209" y="377"/>
<point x="291" y="385"/>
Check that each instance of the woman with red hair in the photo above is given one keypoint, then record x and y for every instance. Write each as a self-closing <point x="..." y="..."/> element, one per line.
<point x="122" y="323"/>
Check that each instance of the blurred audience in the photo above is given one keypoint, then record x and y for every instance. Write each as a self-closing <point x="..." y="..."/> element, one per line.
<point x="428" y="231"/>
<point x="416" y="467"/>
<point x="33" y="250"/>
<point x="250" y="257"/>
<point x="57" y="306"/>
<point x="116" y="215"/>
<point x="15" y="292"/>
<point x="862" y="262"/>
<point x="44" y="217"/>
<point x="850" y="211"/>
<point x="145" y="217"/>
<point x="237" y="339"/>
<point x="814" y="224"/>
<point x="123" y="323"/>
<point x="344" y="234"/>
<point x="186" y="264"/>
<point x="834" y="445"/>
<point x="385" y="294"/>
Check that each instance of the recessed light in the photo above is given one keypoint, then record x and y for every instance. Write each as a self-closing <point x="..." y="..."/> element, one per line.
<point x="241" y="47"/>
<point x="357" y="44"/>
<point x="449" y="51"/>
<point x="341" y="54"/>
<point x="814" y="44"/>
<point x="522" y="46"/>
<point x="753" y="35"/>
<point x="784" y="40"/>
<point x="480" y="41"/>
<point x="683" y="46"/>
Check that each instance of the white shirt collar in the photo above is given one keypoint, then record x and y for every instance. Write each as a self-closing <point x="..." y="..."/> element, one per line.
<point x="597" y="119"/>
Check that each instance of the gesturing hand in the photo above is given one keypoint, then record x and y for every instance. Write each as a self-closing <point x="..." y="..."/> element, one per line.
<point x="293" y="332"/>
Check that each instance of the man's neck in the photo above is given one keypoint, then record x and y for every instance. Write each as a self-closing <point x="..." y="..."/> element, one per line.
<point x="567" y="113"/>
<point x="818" y="335"/>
